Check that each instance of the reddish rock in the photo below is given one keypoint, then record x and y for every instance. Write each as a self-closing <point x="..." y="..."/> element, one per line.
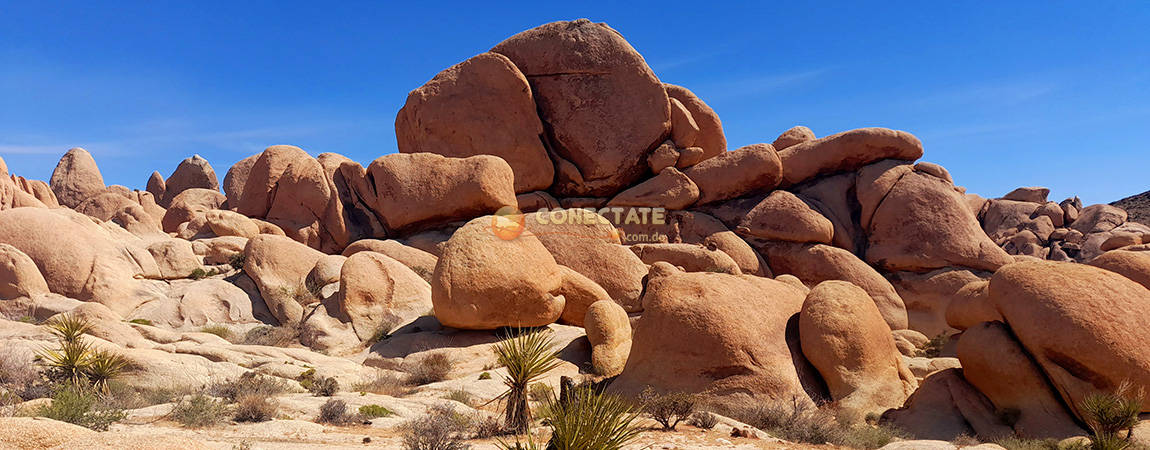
<point x="1028" y="194"/>
<point x="784" y="217"/>
<point x="192" y="173"/>
<point x="76" y="178"/>
<point x="664" y="156"/>
<point x="849" y="150"/>
<point x="237" y="177"/>
<point x="424" y="188"/>
<point x="156" y="185"/>
<point x="733" y="174"/>
<point x="690" y="257"/>
<point x="684" y="130"/>
<point x="670" y="189"/>
<point x="795" y="135"/>
<point x="710" y="139"/>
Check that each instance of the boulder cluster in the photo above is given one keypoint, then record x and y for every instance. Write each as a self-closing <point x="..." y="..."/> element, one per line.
<point x="555" y="179"/>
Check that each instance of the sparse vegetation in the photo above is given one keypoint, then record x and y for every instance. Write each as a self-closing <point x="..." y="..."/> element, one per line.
<point x="17" y="372"/>
<point x="335" y="412"/>
<point x="103" y="367"/>
<point x="199" y="411"/>
<point x="374" y="411"/>
<point x="200" y="273"/>
<point x="527" y="356"/>
<point x="590" y="421"/>
<point x="271" y="336"/>
<point x="539" y="392"/>
<point x="1016" y="443"/>
<point x="319" y="386"/>
<point x="485" y="376"/>
<point x="141" y="322"/>
<point x="431" y="368"/>
<point x="704" y="420"/>
<point x="68" y="328"/>
<point x="237" y="260"/>
<point x="79" y="405"/>
<point x="439" y="429"/>
<point x="76" y="362"/>
<point x="460" y="395"/>
<point x="255" y="408"/>
<point x="483" y="427"/>
<point x="667" y="409"/>
<point x="800" y="421"/>
<point x="248" y="384"/>
<point x="933" y="347"/>
<point x="218" y="330"/>
<point x="384" y="384"/>
<point x="1112" y="417"/>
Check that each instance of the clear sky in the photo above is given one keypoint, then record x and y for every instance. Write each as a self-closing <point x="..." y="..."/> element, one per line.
<point x="1003" y="94"/>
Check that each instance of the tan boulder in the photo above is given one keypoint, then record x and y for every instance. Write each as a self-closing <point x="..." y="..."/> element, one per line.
<point x="1082" y="325"/>
<point x="19" y="276"/>
<point x="794" y="136"/>
<point x="1120" y="239"/>
<point x="482" y="106"/>
<point x="928" y="295"/>
<point x="219" y="250"/>
<point x="609" y="331"/>
<point x="1028" y="194"/>
<point x="278" y="266"/>
<point x="299" y="205"/>
<point x="483" y="281"/>
<point x="690" y="156"/>
<point x="664" y="156"/>
<point x="710" y="139"/>
<point x="734" y="174"/>
<point x="670" y="189"/>
<point x="228" y="223"/>
<point x="937" y="171"/>
<point x="189" y="205"/>
<point x="845" y="338"/>
<point x="994" y="362"/>
<point x="261" y="178"/>
<point x="834" y="197"/>
<point x="946" y="407"/>
<point x="1054" y="212"/>
<point x="104" y="205"/>
<point x="156" y="185"/>
<point x="237" y="177"/>
<point x="326" y="271"/>
<point x="378" y="293"/>
<point x="322" y="332"/>
<point x="725" y="335"/>
<point x="1003" y="217"/>
<point x="873" y="182"/>
<point x="425" y="188"/>
<point x="175" y="258"/>
<point x="579" y="293"/>
<point x="192" y="173"/>
<point x="604" y="143"/>
<point x="76" y="178"/>
<point x="692" y="227"/>
<point x="971" y="306"/>
<point x="690" y="257"/>
<point x="1098" y="219"/>
<point x="846" y="151"/>
<point x="587" y="243"/>
<point x="924" y="224"/>
<point x="816" y="263"/>
<point x="419" y="261"/>
<point x="684" y="130"/>
<point x="784" y="217"/>
<point x="1130" y="262"/>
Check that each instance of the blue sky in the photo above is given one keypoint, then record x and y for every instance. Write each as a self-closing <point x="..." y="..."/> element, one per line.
<point x="1042" y="93"/>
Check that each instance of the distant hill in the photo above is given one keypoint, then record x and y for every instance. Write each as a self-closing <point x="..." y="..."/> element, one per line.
<point x="1137" y="206"/>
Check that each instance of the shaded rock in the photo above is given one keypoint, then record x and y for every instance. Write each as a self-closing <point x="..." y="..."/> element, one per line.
<point x="664" y="156"/>
<point x="971" y="306"/>
<point x="278" y="266"/>
<point x="690" y="257"/>
<point x="189" y="205"/>
<point x="692" y="227"/>
<point x="671" y="189"/>
<point x="846" y="151"/>
<point x="534" y="201"/>
<point x="237" y="177"/>
<point x="733" y="174"/>
<point x="419" y="261"/>
<point x="1006" y="217"/>
<point x="946" y="407"/>
<point x="684" y="130"/>
<point x="19" y="276"/>
<point x="1028" y="194"/>
<point x="710" y="138"/>
<point x="928" y="295"/>
<point x="76" y="178"/>
<point x="156" y="185"/>
<point x="580" y="293"/>
<point x="835" y="198"/>
<point x="784" y="217"/>
<point x="1098" y="219"/>
<point x="609" y="331"/>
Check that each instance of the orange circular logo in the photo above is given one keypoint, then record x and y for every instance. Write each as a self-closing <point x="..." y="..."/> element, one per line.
<point x="508" y="223"/>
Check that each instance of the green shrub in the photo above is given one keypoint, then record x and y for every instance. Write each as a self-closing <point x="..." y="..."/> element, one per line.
<point x="374" y="411"/>
<point x="704" y="420"/>
<point x="431" y="368"/>
<point x="439" y="429"/>
<point x="317" y="385"/>
<point x="237" y="260"/>
<point x="1016" y="443"/>
<point x="485" y="376"/>
<point x="254" y="408"/>
<point x="199" y="411"/>
<point x="870" y="437"/>
<point x="78" y="405"/>
<point x="141" y="322"/>
<point x="460" y="396"/>
<point x="103" y="367"/>
<point x="527" y="356"/>
<point x="334" y="411"/>
<point x="248" y="384"/>
<point x="668" y="409"/>
<point x="281" y="336"/>
<point x="384" y="384"/>
<point x="27" y="319"/>
<point x="933" y="347"/>
<point x="1112" y="417"/>
<point x="200" y="273"/>
<point x="218" y="330"/>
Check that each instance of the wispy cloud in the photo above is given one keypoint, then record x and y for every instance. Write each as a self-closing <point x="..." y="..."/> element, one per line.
<point x="742" y="87"/>
<point x="1003" y="93"/>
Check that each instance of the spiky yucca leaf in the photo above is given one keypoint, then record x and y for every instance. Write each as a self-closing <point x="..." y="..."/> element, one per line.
<point x="104" y="366"/>
<point x="1108" y="415"/>
<point x="588" y="420"/>
<point x="68" y="327"/>
<point x="527" y="356"/>
<point x="69" y="362"/>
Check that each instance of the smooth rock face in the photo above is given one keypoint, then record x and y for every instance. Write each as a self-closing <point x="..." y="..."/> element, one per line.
<point x="483" y="282"/>
<point x="945" y="407"/>
<point x="846" y="151"/>
<point x="604" y="142"/>
<point x="928" y="295"/>
<point x="692" y="227"/>
<point x="237" y="177"/>
<point x="671" y="189"/>
<point x="726" y="336"/>
<point x="1081" y="324"/>
<point x="156" y="185"/>
<point x="482" y="106"/>
<point x="1098" y="219"/>
<point x="76" y="178"/>
<point x="175" y="258"/>
<point x="845" y="338"/>
<point x="19" y="276"/>
<point x="1130" y="262"/>
<point x="609" y="331"/>
<point x="995" y="363"/>
<point x="684" y="130"/>
<point x="278" y="266"/>
<point x="710" y="138"/>
<point x="795" y="135"/>
<point x="734" y="174"/>
<point x="192" y="173"/>
<point x="690" y="257"/>
<point x="784" y="217"/>
<point x="425" y="188"/>
<point x="816" y="263"/>
<point x="227" y="223"/>
<point x="580" y="293"/>
<point x="190" y="205"/>
<point x="378" y="293"/>
<point x="419" y="261"/>
<point x="1028" y="194"/>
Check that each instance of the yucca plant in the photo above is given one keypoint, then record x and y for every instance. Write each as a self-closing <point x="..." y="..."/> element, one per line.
<point x="69" y="362"/>
<point x="588" y="420"/>
<point x="527" y="356"/>
<point x="102" y="367"/>
<point x="69" y="328"/>
<point x="1108" y="415"/>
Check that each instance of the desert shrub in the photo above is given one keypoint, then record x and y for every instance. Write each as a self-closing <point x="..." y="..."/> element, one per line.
<point x="383" y="384"/>
<point x="870" y="437"/>
<point x="237" y="260"/>
<point x="794" y="421"/>
<point x="933" y="347"/>
<point x="334" y="412"/>
<point x="271" y="336"/>
<point x="528" y="356"/>
<point x="667" y="409"/>
<point x="141" y="322"/>
<point x="588" y="420"/>
<point x="255" y="408"/>
<point x="200" y="273"/>
<point x="17" y="370"/>
<point x="68" y="328"/>
<point x="431" y="368"/>
<point x="124" y="396"/>
<point x="439" y="429"/>
<point x="1016" y="443"/>
<point x="103" y="367"/>
<point x="79" y="405"/>
<point x="485" y="376"/>
<point x="965" y="440"/>
<point x="27" y="319"/>
<point x="483" y="427"/>
<point x="704" y="420"/>
<point x="373" y="411"/>
<point x="540" y="391"/>
<point x="199" y="411"/>
<point x="248" y="384"/>
<point x="218" y="330"/>
<point x="67" y="363"/>
<point x="460" y="395"/>
<point x="1112" y="417"/>
<point x="319" y="386"/>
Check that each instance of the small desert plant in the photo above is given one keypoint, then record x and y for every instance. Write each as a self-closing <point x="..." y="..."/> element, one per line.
<point x="141" y="322"/>
<point x="933" y="347"/>
<point x="27" y="319"/>
<point x="373" y="411"/>
<point x="704" y="420"/>
<point x="68" y="362"/>
<point x="248" y="384"/>
<point x="1016" y="443"/>
<point x="68" y="328"/>
<point x="588" y="420"/>
<point x="485" y="376"/>
<point x="1109" y="415"/>
<point x="483" y="427"/>
<point x="77" y="404"/>
<point x="668" y="409"/>
<point x="199" y="411"/>
<point x="237" y="260"/>
<point x="540" y="391"/>
<point x="460" y="395"/>
<point x="200" y="273"/>
<point x="383" y="384"/>
<point x="527" y="356"/>
<point x="795" y="421"/>
<point x="102" y="367"/>
<point x="254" y="408"/>
<point x="318" y="385"/>
<point x="440" y="429"/>
<point x="281" y="336"/>
<point x="334" y="412"/>
<point x="431" y="368"/>
<point x="867" y="436"/>
<point x="218" y="330"/>
<point x="17" y="370"/>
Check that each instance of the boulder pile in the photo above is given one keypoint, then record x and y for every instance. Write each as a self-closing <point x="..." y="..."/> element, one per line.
<point x="556" y="179"/>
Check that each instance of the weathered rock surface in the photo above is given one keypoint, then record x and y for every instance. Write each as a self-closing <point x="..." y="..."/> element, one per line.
<point x="609" y="331"/>
<point x="849" y="150"/>
<point x="192" y="173"/>
<point x="19" y="276"/>
<point x="710" y="138"/>
<point x="378" y="293"/>
<point x="670" y="189"/>
<point x="736" y="173"/>
<point x="793" y="136"/>
<point x="76" y="178"/>
<point x="278" y="266"/>
<point x="784" y="217"/>
<point x="689" y="257"/>
<point x="424" y="188"/>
